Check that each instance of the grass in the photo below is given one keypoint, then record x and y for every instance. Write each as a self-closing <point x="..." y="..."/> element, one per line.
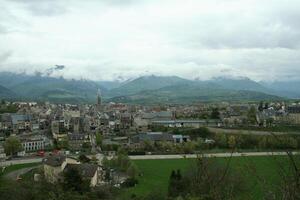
<point x="12" y="168"/>
<point x="156" y="174"/>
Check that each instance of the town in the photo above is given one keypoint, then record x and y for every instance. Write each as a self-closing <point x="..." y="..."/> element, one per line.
<point x="149" y="100"/>
<point x="66" y="136"/>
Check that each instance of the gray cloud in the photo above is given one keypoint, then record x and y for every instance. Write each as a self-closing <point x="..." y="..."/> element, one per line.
<point x="127" y="38"/>
<point x="4" y="56"/>
<point x="44" y="8"/>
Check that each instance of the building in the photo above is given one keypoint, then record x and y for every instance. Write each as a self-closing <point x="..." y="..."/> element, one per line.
<point x="181" y="138"/>
<point x="2" y="153"/>
<point x="186" y="123"/>
<point x="152" y="136"/>
<point x="58" y="129"/>
<point x="294" y="114"/>
<point x="56" y="165"/>
<point x="76" y="140"/>
<point x="5" y="122"/>
<point x="87" y="171"/>
<point x="21" y="122"/>
<point x="33" y="142"/>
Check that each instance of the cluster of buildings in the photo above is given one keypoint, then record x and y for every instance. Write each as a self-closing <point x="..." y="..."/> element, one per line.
<point x="42" y="126"/>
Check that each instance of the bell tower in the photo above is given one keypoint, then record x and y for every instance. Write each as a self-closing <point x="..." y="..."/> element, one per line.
<point x="99" y="101"/>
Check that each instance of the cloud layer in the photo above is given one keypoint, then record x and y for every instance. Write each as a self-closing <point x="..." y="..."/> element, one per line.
<point x="109" y="39"/>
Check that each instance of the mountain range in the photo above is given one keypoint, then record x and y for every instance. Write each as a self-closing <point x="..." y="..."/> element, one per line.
<point x="145" y="89"/>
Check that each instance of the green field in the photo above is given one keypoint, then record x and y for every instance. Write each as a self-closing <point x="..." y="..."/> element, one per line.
<point x="12" y="168"/>
<point x="156" y="174"/>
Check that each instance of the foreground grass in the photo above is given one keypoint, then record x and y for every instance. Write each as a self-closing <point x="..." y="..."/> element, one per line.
<point x="12" y="168"/>
<point x="156" y="174"/>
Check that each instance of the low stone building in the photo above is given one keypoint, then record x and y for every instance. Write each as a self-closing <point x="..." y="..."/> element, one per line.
<point x="56" y="165"/>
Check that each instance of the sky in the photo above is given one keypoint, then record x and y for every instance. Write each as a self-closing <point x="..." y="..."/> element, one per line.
<point x="121" y="39"/>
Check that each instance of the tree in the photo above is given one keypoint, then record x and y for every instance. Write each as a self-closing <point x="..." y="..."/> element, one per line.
<point x="266" y="105"/>
<point x="132" y="171"/>
<point x="221" y="140"/>
<point x="148" y="145"/>
<point x="175" y="184"/>
<point x="74" y="182"/>
<point x="261" y="106"/>
<point x="231" y="142"/>
<point x="206" y="179"/>
<point x="215" y="114"/>
<point x="99" y="139"/>
<point x="252" y="115"/>
<point x="188" y="147"/>
<point x="12" y="145"/>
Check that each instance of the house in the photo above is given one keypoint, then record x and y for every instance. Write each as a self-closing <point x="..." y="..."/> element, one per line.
<point x="87" y="171"/>
<point x="294" y="114"/>
<point x="5" y="122"/>
<point x="141" y="125"/>
<point x="76" y="140"/>
<point x="21" y="122"/>
<point x="181" y="138"/>
<point x="126" y="120"/>
<point x="58" y="129"/>
<point x="157" y="116"/>
<point x="56" y="165"/>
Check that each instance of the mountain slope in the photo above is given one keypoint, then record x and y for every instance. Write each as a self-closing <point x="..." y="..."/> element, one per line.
<point x="43" y="87"/>
<point x="289" y="89"/>
<point x="147" y="83"/>
<point x="188" y="93"/>
<point x="240" y="83"/>
<point x="6" y="93"/>
<point x="149" y="89"/>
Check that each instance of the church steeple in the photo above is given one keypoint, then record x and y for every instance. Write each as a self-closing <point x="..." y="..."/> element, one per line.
<point x="99" y="98"/>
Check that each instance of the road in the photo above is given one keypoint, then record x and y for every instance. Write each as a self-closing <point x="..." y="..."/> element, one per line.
<point x="151" y="157"/>
<point x="20" y="161"/>
<point x="219" y="155"/>
<point x="247" y="132"/>
<point x="15" y="174"/>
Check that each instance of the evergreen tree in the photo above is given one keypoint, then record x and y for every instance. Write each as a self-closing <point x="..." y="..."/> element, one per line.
<point x="215" y="114"/>
<point x="261" y="106"/>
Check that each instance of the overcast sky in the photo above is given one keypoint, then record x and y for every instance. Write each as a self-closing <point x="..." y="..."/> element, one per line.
<point x="119" y="39"/>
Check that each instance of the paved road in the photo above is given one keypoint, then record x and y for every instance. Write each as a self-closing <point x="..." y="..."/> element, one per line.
<point x="20" y="161"/>
<point x="15" y="174"/>
<point x="149" y="157"/>
<point x="181" y="156"/>
<point x="247" y="132"/>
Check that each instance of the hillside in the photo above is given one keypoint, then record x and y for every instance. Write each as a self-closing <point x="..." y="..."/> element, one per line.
<point x="147" y="89"/>
<point x="145" y="83"/>
<point x="240" y="83"/>
<point x="5" y="93"/>
<point x="289" y="89"/>
<point x="51" y="89"/>
<point x="189" y="93"/>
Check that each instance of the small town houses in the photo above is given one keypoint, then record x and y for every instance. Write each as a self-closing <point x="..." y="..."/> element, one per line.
<point x="46" y="126"/>
<point x="54" y="167"/>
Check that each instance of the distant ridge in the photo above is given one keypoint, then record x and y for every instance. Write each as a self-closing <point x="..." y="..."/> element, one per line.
<point x="145" y="89"/>
<point x="6" y="93"/>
